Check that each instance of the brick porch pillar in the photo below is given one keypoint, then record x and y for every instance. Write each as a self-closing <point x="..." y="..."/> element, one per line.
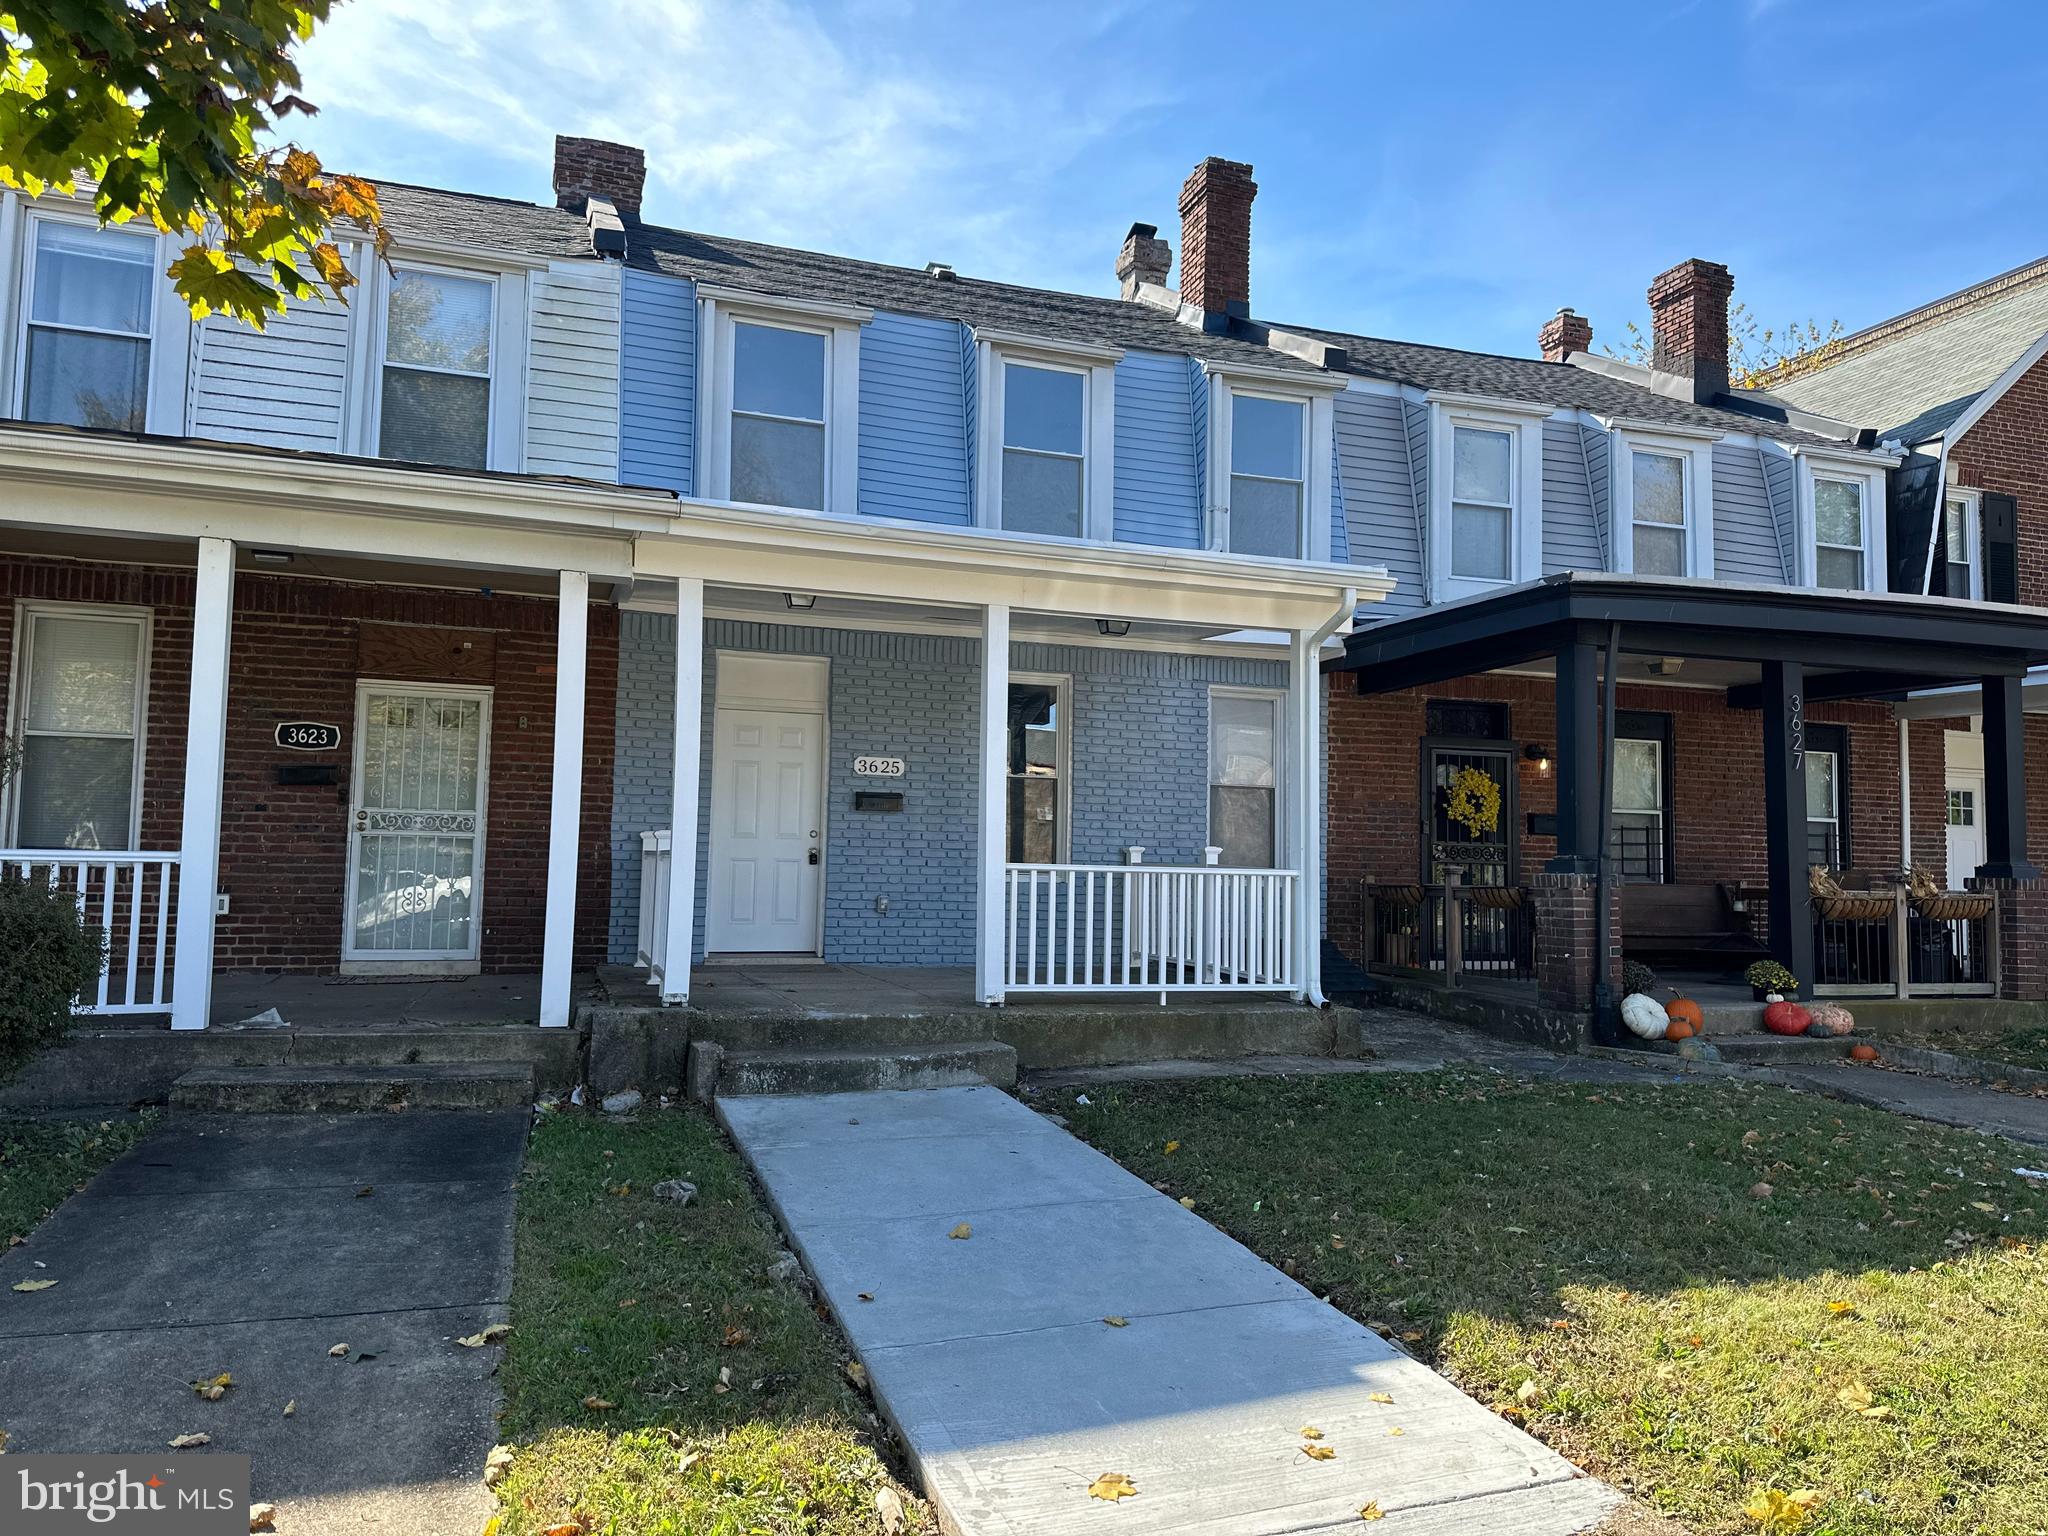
<point x="2022" y="936"/>
<point x="1566" y="936"/>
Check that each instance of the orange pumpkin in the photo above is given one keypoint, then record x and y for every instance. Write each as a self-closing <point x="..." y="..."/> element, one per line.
<point x="1863" y="1050"/>
<point x="1680" y="1027"/>
<point x="1685" y="1008"/>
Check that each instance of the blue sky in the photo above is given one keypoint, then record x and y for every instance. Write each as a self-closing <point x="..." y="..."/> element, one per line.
<point x="1439" y="170"/>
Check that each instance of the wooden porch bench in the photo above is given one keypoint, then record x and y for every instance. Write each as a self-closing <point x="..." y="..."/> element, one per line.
<point x="1694" y="924"/>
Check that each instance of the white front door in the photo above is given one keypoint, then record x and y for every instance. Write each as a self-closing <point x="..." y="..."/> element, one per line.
<point x="767" y="847"/>
<point x="1964" y="751"/>
<point x="416" y="829"/>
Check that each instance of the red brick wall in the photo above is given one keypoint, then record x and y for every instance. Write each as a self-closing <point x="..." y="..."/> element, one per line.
<point x="1216" y="235"/>
<point x="2007" y="452"/>
<point x="293" y="656"/>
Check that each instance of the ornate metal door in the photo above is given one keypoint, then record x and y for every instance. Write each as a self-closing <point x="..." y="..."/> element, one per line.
<point x="1481" y="856"/>
<point x="416" y="830"/>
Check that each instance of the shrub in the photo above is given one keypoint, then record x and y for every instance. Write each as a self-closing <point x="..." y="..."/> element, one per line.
<point x="48" y="955"/>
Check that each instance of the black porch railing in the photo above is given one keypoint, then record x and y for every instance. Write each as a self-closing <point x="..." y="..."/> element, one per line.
<point x="1949" y="944"/>
<point x="1451" y="933"/>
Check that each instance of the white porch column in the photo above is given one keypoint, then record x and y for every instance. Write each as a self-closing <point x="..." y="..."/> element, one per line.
<point x="683" y="814"/>
<point x="1305" y="809"/>
<point x="990" y="938"/>
<point x="206" y="722"/>
<point x="565" y="799"/>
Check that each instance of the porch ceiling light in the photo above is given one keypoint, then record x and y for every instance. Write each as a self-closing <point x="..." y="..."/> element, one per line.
<point x="801" y="599"/>
<point x="271" y="556"/>
<point x="1117" y="627"/>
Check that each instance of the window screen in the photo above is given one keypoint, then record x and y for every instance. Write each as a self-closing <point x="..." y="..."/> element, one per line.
<point x="778" y="416"/>
<point x="436" y="406"/>
<point x="1244" y="779"/>
<point x="1266" y="484"/>
<point x="1043" y="453"/>
<point x="1482" y="504"/>
<point x="88" y="327"/>
<point x="78" y="722"/>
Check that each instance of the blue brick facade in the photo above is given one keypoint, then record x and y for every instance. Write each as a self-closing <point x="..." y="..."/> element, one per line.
<point x="1139" y="743"/>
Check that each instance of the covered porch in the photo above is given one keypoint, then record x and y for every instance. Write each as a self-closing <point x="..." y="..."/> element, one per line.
<point x="1773" y="703"/>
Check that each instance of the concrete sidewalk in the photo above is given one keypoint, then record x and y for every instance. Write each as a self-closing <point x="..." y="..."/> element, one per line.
<point x="1011" y="1394"/>
<point x="251" y="1244"/>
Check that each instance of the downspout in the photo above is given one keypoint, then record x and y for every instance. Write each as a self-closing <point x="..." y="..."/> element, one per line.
<point x="1312" y="727"/>
<point x="1603" y="921"/>
<point x="1905" y="795"/>
<point x="1935" y="531"/>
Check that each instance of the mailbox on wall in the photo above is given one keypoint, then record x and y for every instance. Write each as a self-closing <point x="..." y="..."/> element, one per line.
<point x="883" y="800"/>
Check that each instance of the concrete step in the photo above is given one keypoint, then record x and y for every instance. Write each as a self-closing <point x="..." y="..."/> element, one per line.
<point x="949" y="1064"/>
<point x="315" y="1088"/>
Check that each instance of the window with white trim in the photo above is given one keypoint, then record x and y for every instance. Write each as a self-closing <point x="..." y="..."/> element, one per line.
<point x="434" y="402"/>
<point x="1244" y="778"/>
<point x="1638" y="848"/>
<point x="1045" y="449"/>
<point x="1482" y="503"/>
<point x="778" y="415"/>
<point x="1035" y="823"/>
<point x="91" y="299"/>
<point x="81" y="680"/>
<point x="1268" y="475"/>
<point x="1824" y="809"/>
<point x="1484" y="521"/>
<point x="1660" y="513"/>
<point x="778" y="423"/>
<point x="1959" y="572"/>
<point x="1841" y="534"/>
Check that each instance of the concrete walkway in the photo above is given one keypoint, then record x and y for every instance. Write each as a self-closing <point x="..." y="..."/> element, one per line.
<point x="251" y="1244"/>
<point x="1011" y="1394"/>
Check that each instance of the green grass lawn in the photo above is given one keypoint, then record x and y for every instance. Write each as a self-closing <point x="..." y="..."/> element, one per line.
<point x="729" y="1413"/>
<point x="42" y="1161"/>
<point x="2021" y="1046"/>
<point x="1602" y="1264"/>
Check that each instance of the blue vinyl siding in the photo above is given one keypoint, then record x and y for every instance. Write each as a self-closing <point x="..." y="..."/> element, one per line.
<point x="913" y="435"/>
<point x="1379" y="499"/>
<point x="1157" y="496"/>
<point x="1745" y="532"/>
<point x="658" y="383"/>
<point x="1571" y="532"/>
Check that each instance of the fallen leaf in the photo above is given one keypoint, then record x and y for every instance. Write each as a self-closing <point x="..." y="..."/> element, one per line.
<point x="1113" y="1486"/>
<point x="889" y="1511"/>
<point x="1982" y="1205"/>
<point x="1310" y="1432"/>
<point x="1319" y="1453"/>
<point x="33" y="1285"/>
<point x="735" y="1336"/>
<point x="262" y="1517"/>
<point x="1842" y="1308"/>
<point x="492" y="1526"/>
<point x="1187" y="1202"/>
<point x="1750" y="1138"/>
<point x="1855" y="1397"/>
<point x="1760" y="1190"/>
<point x="857" y="1374"/>
<point x="1172" y="1147"/>
<point x="497" y="1333"/>
<point x="291" y="1407"/>
<point x="963" y="1232"/>
<point x="497" y="1464"/>
<point x="1118" y="1322"/>
<point x="366" y="1191"/>
<point x="187" y="1442"/>
<point x="1776" y="1510"/>
<point x="1379" y="1397"/>
<point x="598" y="1404"/>
<point x="1397" y="1430"/>
<point x="630" y="1301"/>
<point x="568" y="1528"/>
<point x="1372" y="1511"/>
<point x="867" y="1295"/>
<point x="724" y="1382"/>
<point x="338" y="1351"/>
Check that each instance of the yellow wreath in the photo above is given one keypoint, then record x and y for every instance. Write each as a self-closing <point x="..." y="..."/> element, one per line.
<point x="1474" y="800"/>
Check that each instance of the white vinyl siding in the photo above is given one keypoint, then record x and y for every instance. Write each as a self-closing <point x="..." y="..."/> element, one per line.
<point x="572" y="371"/>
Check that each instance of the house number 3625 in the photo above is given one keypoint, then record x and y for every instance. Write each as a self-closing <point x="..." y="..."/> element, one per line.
<point x="878" y="767"/>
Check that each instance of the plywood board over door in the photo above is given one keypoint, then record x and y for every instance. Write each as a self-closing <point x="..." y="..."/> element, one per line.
<point x="442" y="654"/>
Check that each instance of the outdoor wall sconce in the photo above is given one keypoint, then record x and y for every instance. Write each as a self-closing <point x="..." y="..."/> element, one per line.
<point x="1117" y="627"/>
<point x="1540" y="756"/>
<point x="800" y="599"/>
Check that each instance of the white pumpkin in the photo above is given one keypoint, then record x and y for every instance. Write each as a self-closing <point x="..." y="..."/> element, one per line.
<point x="1644" y="1016"/>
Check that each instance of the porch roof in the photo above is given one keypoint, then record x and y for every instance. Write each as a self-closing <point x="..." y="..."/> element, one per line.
<point x="1852" y="644"/>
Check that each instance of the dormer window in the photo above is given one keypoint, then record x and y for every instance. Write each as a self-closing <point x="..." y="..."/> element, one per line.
<point x="1268" y="481"/>
<point x="1663" y="495"/>
<point x="91" y="304"/>
<point x="1046" y="449"/>
<point x="778" y="416"/>
<point x="781" y="421"/>
<point x="1958" y="572"/>
<point x="435" y="406"/>
<point x="1484" y="472"/>
<point x="1482" y="504"/>
<point x="1840" y="534"/>
<point x="1660" y="514"/>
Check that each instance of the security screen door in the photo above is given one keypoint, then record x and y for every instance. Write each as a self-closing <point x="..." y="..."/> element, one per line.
<point x="416" y="832"/>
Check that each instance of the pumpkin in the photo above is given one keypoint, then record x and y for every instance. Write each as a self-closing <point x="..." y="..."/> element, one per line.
<point x="1686" y="1009"/>
<point x="1680" y="1027"/>
<point x="1644" y="1016"/>
<point x="1863" y="1050"/>
<point x="1833" y="1019"/>
<point x="1784" y="1018"/>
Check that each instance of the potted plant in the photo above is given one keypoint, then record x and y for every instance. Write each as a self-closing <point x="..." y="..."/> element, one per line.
<point x="1769" y="981"/>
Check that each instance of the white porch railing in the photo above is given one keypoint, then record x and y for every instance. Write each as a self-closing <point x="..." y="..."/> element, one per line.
<point x="130" y="895"/>
<point x="1081" y="928"/>
<point x="652" y="938"/>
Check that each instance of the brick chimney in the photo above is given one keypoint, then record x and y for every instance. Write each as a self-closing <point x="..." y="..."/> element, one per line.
<point x="1689" y="326"/>
<point x="1563" y="333"/>
<point x="1216" y="237"/>
<point x="586" y="168"/>
<point x="1145" y="258"/>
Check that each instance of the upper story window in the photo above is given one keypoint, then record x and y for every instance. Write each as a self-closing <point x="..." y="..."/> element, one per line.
<point x="1482" y="504"/>
<point x="1268" y="478"/>
<point x="1045" y="449"/>
<point x="1662" y="490"/>
<point x="436" y="397"/>
<point x="1659" y="514"/>
<point x="778" y="416"/>
<point x="91" y="301"/>
<point x="1957" y="570"/>
<point x="77" y="716"/>
<point x="1840" y="534"/>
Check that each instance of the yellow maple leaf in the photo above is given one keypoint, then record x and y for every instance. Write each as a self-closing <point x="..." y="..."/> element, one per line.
<point x="1842" y="1308"/>
<point x="1113" y="1486"/>
<point x="1372" y="1511"/>
<point x="1310" y="1432"/>
<point x="1379" y="1397"/>
<point x="963" y="1231"/>
<point x="1776" y="1510"/>
<point x="1172" y="1147"/>
<point x="1319" y="1453"/>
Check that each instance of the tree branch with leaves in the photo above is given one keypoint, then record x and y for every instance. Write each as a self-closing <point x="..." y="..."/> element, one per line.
<point x="170" y="112"/>
<point x="1756" y="354"/>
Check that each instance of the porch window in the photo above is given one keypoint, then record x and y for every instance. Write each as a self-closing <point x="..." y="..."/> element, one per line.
<point x="1638" y="850"/>
<point x="1958" y="573"/>
<point x="778" y="416"/>
<point x="1838" y="531"/>
<point x="1268" y="485"/>
<point x="436" y="406"/>
<point x="1244" y="779"/>
<point x="78" y="724"/>
<point x="1824" y="809"/>
<point x="92" y="294"/>
<point x="1660" y="513"/>
<point x="1036" y="814"/>
<point x="1045" y="458"/>
<point x="1482" y="504"/>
